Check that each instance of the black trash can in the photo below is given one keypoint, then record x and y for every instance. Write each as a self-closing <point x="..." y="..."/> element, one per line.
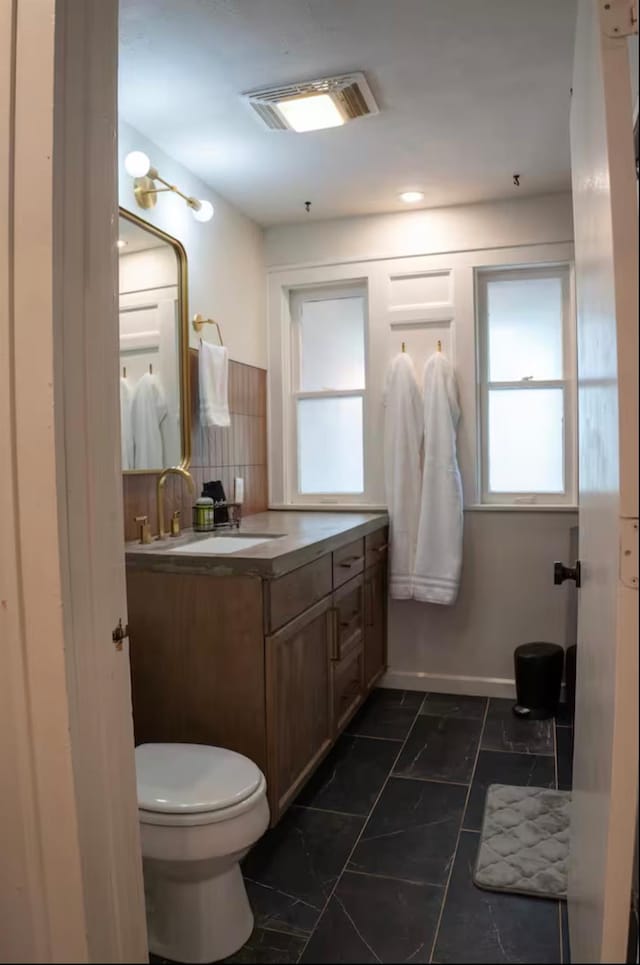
<point x="538" y="668"/>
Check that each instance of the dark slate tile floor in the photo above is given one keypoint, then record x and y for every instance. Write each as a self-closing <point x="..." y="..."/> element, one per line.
<point x="373" y="862"/>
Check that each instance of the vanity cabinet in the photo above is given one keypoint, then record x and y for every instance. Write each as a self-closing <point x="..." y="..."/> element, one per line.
<point x="375" y="629"/>
<point x="272" y="668"/>
<point x="299" y="708"/>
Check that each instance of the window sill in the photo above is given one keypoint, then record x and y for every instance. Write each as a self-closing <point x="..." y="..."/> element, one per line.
<point x="520" y="508"/>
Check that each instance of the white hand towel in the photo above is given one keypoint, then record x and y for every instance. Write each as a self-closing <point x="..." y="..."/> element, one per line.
<point x="126" y="432"/>
<point x="213" y="374"/>
<point x="439" y="551"/>
<point x="402" y="442"/>
<point x="148" y="410"/>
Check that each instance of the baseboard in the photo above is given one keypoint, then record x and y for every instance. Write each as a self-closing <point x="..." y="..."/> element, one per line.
<point x="453" y="684"/>
<point x="449" y="684"/>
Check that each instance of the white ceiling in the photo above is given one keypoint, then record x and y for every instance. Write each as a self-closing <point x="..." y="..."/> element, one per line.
<point x="470" y="92"/>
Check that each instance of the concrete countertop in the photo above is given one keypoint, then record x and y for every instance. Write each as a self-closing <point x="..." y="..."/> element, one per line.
<point x="301" y="538"/>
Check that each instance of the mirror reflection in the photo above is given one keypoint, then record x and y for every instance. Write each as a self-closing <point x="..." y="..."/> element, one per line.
<point x="151" y="347"/>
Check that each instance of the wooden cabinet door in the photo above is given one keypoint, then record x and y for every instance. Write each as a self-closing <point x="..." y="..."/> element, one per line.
<point x="375" y="628"/>
<point x="299" y="707"/>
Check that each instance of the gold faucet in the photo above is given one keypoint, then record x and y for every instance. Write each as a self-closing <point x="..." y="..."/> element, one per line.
<point x="162" y="478"/>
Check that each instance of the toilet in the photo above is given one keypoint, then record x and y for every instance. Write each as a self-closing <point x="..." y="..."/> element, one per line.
<point x="201" y="808"/>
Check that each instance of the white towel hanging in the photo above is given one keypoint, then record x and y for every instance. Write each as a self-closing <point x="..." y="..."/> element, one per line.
<point x="439" y="549"/>
<point x="213" y="376"/>
<point x="403" y="439"/>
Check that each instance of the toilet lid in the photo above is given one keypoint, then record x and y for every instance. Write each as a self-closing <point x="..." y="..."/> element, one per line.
<point x="187" y="778"/>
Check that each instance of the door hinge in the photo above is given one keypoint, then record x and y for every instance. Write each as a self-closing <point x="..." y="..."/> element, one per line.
<point x="629" y="552"/>
<point x="119" y="634"/>
<point x="619" y="17"/>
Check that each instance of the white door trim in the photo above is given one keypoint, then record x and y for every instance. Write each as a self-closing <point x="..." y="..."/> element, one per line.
<point x="42" y="915"/>
<point x="89" y="476"/>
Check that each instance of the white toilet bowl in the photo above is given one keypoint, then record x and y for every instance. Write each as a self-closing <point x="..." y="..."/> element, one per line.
<point x="201" y="808"/>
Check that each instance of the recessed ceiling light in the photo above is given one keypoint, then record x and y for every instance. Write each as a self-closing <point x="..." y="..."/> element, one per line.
<point x="121" y="243"/>
<point x="311" y="112"/>
<point x="409" y="197"/>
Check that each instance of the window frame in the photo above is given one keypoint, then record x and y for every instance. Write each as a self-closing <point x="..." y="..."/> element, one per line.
<point x="297" y="298"/>
<point x="568" y="497"/>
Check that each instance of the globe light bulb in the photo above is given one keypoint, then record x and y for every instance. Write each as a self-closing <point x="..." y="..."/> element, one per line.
<point x="204" y="212"/>
<point x="137" y="164"/>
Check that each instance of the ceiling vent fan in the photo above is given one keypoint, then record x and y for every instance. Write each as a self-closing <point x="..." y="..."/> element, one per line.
<point x="314" y="105"/>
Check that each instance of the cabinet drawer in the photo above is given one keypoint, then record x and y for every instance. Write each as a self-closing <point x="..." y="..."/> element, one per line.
<point x="376" y="546"/>
<point x="348" y="687"/>
<point x="295" y="592"/>
<point x="348" y="610"/>
<point x="348" y="562"/>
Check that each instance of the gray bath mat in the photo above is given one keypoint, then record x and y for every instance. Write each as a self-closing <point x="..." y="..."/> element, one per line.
<point x="524" y="845"/>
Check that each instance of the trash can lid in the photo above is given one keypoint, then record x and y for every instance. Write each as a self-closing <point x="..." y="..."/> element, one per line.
<point x="538" y="649"/>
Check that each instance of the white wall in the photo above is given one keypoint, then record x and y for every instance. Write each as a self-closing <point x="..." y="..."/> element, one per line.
<point x="419" y="269"/>
<point x="504" y="224"/>
<point x="225" y="255"/>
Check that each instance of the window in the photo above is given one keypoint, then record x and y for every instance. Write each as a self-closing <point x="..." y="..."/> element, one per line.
<point x="527" y="386"/>
<point x="328" y="392"/>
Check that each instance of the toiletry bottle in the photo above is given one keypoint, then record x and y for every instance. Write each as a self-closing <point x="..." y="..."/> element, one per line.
<point x="203" y="514"/>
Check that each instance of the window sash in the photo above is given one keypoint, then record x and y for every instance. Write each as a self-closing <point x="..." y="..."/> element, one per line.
<point x="568" y="494"/>
<point x="297" y="299"/>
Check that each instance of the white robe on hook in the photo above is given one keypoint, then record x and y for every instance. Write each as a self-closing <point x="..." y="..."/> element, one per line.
<point x="439" y="550"/>
<point x="402" y="444"/>
<point x="148" y="411"/>
<point x="126" y="427"/>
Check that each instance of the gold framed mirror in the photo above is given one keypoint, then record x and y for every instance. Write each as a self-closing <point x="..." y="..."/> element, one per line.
<point x="155" y="407"/>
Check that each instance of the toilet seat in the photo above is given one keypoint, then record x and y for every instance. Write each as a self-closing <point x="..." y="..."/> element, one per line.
<point x="186" y="819"/>
<point x="190" y="784"/>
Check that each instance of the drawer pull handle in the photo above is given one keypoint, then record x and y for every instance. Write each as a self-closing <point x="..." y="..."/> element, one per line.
<point x="335" y="635"/>
<point x="347" y="623"/>
<point x="369" y="620"/>
<point x="351" y="561"/>
<point x="382" y="549"/>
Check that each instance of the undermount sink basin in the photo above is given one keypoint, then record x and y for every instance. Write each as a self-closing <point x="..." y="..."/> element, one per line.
<point x="215" y="545"/>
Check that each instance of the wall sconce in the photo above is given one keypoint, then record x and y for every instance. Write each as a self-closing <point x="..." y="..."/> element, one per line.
<point x="138" y="165"/>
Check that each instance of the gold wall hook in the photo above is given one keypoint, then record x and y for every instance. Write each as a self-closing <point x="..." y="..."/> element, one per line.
<point x="439" y="345"/>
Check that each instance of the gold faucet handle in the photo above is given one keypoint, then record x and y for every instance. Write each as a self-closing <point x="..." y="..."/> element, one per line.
<point x="144" y="528"/>
<point x="175" y="523"/>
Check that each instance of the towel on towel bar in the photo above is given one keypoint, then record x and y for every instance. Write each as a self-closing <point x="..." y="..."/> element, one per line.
<point x="439" y="549"/>
<point x="213" y="377"/>
<point x="402" y="444"/>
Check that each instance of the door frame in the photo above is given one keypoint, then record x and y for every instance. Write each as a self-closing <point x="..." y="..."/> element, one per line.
<point x="42" y="914"/>
<point x="90" y="506"/>
<point x="71" y="888"/>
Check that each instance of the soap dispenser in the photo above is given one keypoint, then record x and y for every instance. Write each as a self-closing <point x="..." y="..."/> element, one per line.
<point x="175" y="523"/>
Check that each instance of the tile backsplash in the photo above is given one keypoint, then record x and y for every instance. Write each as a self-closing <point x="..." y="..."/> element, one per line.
<point x="216" y="453"/>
